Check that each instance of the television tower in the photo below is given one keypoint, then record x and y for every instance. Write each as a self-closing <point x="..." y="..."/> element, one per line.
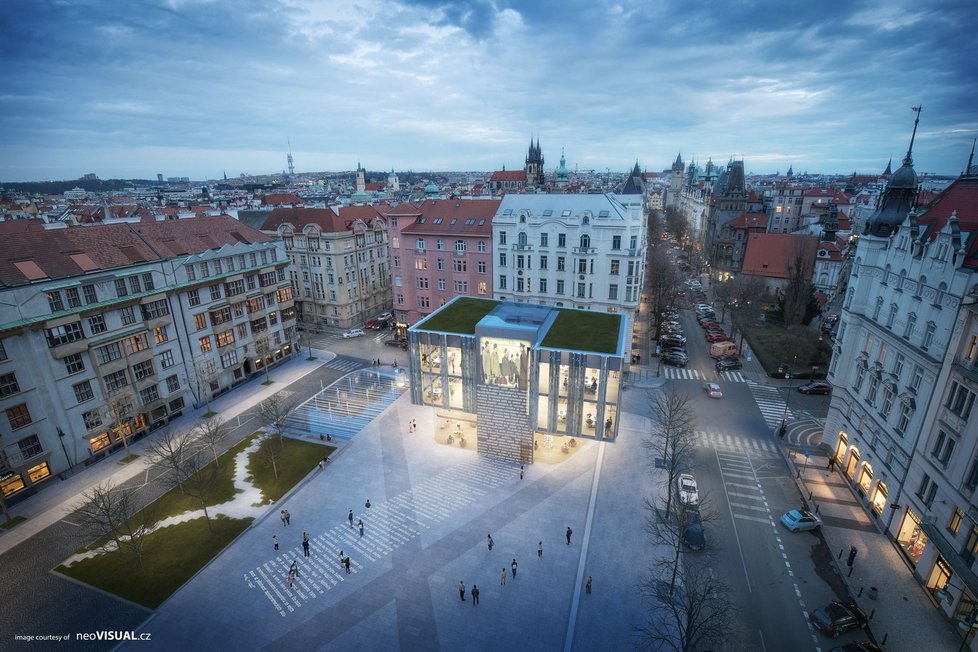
<point x="291" y="163"/>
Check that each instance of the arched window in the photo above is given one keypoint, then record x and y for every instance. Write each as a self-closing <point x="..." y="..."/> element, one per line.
<point x="903" y="279"/>
<point x="876" y="310"/>
<point x="585" y="220"/>
<point x="521" y="238"/>
<point x="522" y="218"/>
<point x="941" y="293"/>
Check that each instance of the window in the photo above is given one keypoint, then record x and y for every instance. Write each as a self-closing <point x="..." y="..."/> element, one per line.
<point x="461" y="286"/>
<point x="160" y="334"/>
<point x="83" y="391"/>
<point x="149" y="395"/>
<point x="193" y="297"/>
<point x="560" y="287"/>
<point x="874" y="383"/>
<point x="215" y="292"/>
<point x="148" y="281"/>
<point x="481" y="266"/>
<point x="890" y="318"/>
<point x="135" y="343"/>
<point x="134" y="284"/>
<point x="143" y="369"/>
<point x="232" y="288"/>
<point x="954" y="525"/>
<point x="92" y="419"/>
<point x="502" y="282"/>
<point x="971" y="546"/>
<point x="481" y="247"/>
<point x="96" y="324"/>
<point x="543" y="262"/>
<point x="927" y="490"/>
<point x="156" y="309"/>
<point x="259" y="325"/>
<point x="229" y="359"/>
<point x="582" y="265"/>
<point x="543" y="285"/>
<point x="560" y="263"/>
<point x="89" y="292"/>
<point x="18" y="416"/>
<point x="580" y="290"/>
<point x="74" y="363"/>
<point x="898" y="365"/>
<point x="943" y="448"/>
<point x="613" y="292"/>
<point x="876" y="310"/>
<point x="585" y="241"/>
<point x="543" y="239"/>
<point x="461" y="266"/>
<point x="911" y="322"/>
<point x="420" y="263"/>
<point x="483" y="288"/>
<point x="633" y="242"/>
<point x="63" y="334"/>
<point x="115" y="381"/>
<point x="439" y="244"/>
<point x="243" y="331"/>
<point x="128" y="315"/>
<point x="906" y="411"/>
<point x="860" y="377"/>
<point x="120" y="288"/>
<point x="615" y="267"/>
<point x="960" y="400"/>
<point x="172" y="384"/>
<point x="221" y="315"/>
<point x="616" y="242"/>
<point x="887" y="405"/>
<point x="561" y="239"/>
<point x="224" y="338"/>
<point x="424" y="302"/>
<point x="441" y="284"/>
<point x="460" y="246"/>
<point x="74" y="299"/>
<point x="521" y="261"/>
<point x="421" y="282"/>
<point x="502" y="237"/>
<point x="972" y="481"/>
<point x="205" y="344"/>
<point x="502" y="259"/>
<point x="915" y="380"/>
<point x="928" y="335"/>
<point x="166" y="359"/>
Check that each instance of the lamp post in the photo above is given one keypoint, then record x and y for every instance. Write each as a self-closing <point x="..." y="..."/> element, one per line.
<point x="787" y="398"/>
<point x="61" y="438"/>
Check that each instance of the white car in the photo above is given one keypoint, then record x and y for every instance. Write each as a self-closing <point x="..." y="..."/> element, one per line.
<point x="713" y="390"/>
<point x="353" y="332"/>
<point x="688" y="493"/>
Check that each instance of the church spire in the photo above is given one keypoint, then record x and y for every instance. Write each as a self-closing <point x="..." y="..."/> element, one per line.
<point x="888" y="172"/>
<point x="971" y="157"/>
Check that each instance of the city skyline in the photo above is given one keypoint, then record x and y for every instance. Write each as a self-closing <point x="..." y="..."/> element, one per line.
<point x="200" y="89"/>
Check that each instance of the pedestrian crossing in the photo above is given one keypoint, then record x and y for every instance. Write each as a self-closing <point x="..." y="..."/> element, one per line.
<point x="680" y="373"/>
<point x="771" y="401"/>
<point x="388" y="525"/>
<point x="729" y="443"/>
<point x="344" y="364"/>
<point x="743" y="490"/>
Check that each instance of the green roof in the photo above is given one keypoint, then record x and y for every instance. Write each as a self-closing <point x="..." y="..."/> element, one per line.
<point x="580" y="330"/>
<point x="459" y="317"/>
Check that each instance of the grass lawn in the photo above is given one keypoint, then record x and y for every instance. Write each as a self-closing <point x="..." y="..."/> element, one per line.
<point x="171" y="556"/>
<point x="580" y="330"/>
<point x="460" y="317"/>
<point x="774" y="345"/>
<point x="294" y="460"/>
<point x="12" y="523"/>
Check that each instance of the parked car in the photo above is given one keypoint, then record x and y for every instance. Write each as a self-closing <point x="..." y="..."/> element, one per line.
<point x="674" y="358"/>
<point x="729" y="363"/>
<point x="354" y="332"/>
<point x="401" y="343"/>
<point x="716" y="336"/>
<point x="800" y="519"/>
<point x="693" y="537"/>
<point x="672" y="338"/>
<point x="688" y="492"/>
<point x="713" y="390"/>
<point x="838" y="617"/>
<point x="815" y="387"/>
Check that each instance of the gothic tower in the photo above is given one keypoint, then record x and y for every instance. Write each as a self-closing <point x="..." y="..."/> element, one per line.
<point x="534" y="165"/>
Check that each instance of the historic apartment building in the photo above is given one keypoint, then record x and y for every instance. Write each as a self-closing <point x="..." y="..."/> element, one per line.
<point x="340" y="263"/>
<point x="110" y="331"/>
<point x="440" y="249"/>
<point x="568" y="250"/>
<point x="905" y="378"/>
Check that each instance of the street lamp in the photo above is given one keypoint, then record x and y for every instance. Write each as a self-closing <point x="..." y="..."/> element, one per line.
<point x="787" y="398"/>
<point x="61" y="438"/>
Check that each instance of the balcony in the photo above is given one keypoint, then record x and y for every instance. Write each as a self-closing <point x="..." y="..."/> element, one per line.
<point x="584" y="251"/>
<point x="522" y="247"/>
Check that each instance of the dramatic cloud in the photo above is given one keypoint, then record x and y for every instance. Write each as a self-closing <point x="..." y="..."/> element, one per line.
<point x="198" y="88"/>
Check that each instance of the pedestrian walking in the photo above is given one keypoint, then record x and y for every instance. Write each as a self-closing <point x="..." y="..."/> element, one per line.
<point x="502" y="577"/>
<point x="540" y="549"/>
<point x="569" y="533"/>
<point x="294" y="568"/>
<point x="275" y="541"/>
<point x="341" y="559"/>
<point x="281" y="515"/>
<point x="361" y="528"/>
<point x="475" y="595"/>
<point x="346" y="563"/>
<point x="831" y="465"/>
<point x="349" y="517"/>
<point x="291" y="577"/>
<point x="587" y="587"/>
<point x="414" y="425"/>
<point x="461" y="590"/>
<point x="491" y="542"/>
<point x="521" y="471"/>
<point x="513" y="566"/>
<point x="305" y="544"/>
<point x="367" y="505"/>
<point x="322" y="464"/>
<point x="288" y="517"/>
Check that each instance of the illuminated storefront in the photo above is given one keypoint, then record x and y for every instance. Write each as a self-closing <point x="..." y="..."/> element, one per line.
<point x="879" y="498"/>
<point x="911" y="537"/>
<point x="865" y="478"/>
<point x="852" y="463"/>
<point x="521" y="375"/>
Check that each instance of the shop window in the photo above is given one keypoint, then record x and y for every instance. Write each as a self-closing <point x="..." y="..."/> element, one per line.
<point x="39" y="472"/>
<point x="12" y="485"/>
<point x="911" y="538"/>
<point x="99" y="442"/>
<point x="879" y="497"/>
<point x="865" y="478"/>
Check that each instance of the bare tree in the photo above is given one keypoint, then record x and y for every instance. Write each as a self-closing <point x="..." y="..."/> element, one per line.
<point x="210" y="433"/>
<point x="200" y="482"/>
<point x="797" y="293"/>
<point x="170" y="451"/>
<point x="262" y="349"/>
<point x="695" y="614"/>
<point x="743" y="295"/>
<point x="671" y="530"/>
<point x="205" y="373"/>
<point x="111" y="512"/>
<point x="662" y="285"/>
<point x="275" y="411"/>
<point x="672" y="436"/>
<point x="270" y="452"/>
<point x="118" y="410"/>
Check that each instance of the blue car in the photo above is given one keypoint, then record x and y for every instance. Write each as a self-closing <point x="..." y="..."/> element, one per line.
<point x="800" y="519"/>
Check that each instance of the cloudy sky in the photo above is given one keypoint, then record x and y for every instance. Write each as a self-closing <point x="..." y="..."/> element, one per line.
<point x="202" y="87"/>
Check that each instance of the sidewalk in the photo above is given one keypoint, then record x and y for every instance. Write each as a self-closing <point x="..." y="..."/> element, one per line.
<point x="59" y="498"/>
<point x="902" y="611"/>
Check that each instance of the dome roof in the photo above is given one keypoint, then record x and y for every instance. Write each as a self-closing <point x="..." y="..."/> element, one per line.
<point x="905" y="177"/>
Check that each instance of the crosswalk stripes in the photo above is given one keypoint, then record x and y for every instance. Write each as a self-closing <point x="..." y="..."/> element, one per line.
<point x="679" y="373"/>
<point x="344" y="364"/>
<point x="723" y="441"/>
<point x="743" y="491"/>
<point x="771" y="402"/>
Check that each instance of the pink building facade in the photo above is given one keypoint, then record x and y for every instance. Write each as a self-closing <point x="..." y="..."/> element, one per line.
<point x="440" y="249"/>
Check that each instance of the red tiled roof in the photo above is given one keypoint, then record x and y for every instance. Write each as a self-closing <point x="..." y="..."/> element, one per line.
<point x="750" y="221"/>
<point x="508" y="175"/>
<point x="438" y="216"/>
<point x="280" y="199"/>
<point x="771" y="254"/>
<point x="324" y="218"/>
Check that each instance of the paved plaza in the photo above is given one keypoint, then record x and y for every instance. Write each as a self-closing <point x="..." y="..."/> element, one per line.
<point x="432" y="507"/>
